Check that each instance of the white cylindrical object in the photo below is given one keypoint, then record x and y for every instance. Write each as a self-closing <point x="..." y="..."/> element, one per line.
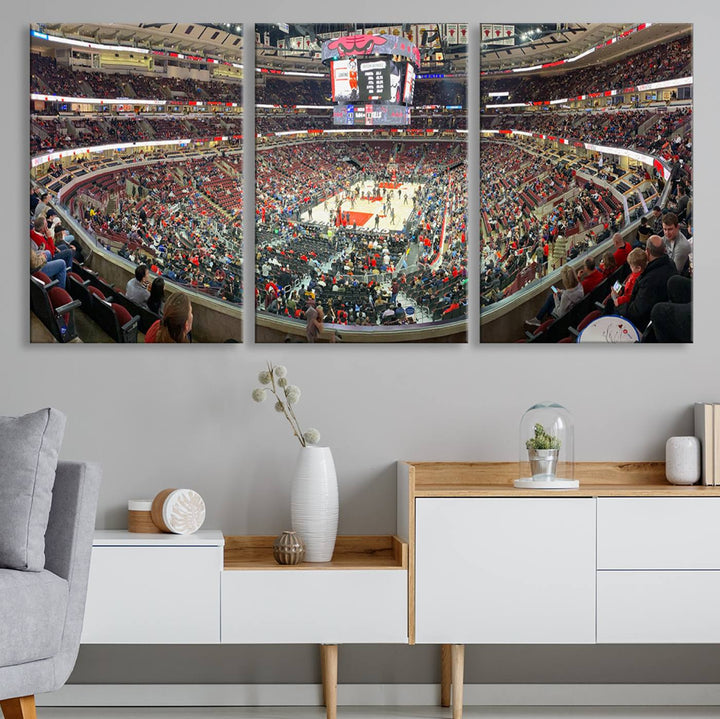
<point x="139" y="505"/>
<point x="682" y="460"/>
<point x="314" y="503"/>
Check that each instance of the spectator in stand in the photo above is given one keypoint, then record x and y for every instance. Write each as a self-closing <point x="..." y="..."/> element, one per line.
<point x="656" y="220"/>
<point x="591" y="276"/>
<point x="560" y="301"/>
<point x="42" y="236"/>
<point x="54" y="269"/>
<point x="43" y="206"/>
<point x="314" y="321"/>
<point x="607" y="264"/>
<point x="643" y="232"/>
<point x="156" y="301"/>
<point x="681" y="203"/>
<point x="622" y="249"/>
<point x="672" y="320"/>
<point x="61" y="240"/>
<point x="651" y="286"/>
<point x="34" y="200"/>
<point x="677" y="245"/>
<point x="176" y="323"/>
<point x="637" y="260"/>
<point x="136" y="289"/>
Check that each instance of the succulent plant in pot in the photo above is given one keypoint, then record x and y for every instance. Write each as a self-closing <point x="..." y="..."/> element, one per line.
<point x="543" y="451"/>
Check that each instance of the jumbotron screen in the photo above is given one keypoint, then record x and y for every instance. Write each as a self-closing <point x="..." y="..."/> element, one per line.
<point x="373" y="79"/>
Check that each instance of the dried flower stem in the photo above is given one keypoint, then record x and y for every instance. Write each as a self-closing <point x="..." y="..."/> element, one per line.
<point x="286" y="408"/>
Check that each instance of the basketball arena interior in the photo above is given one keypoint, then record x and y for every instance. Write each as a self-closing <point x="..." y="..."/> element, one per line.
<point x="136" y="139"/>
<point x="585" y="129"/>
<point x="361" y="198"/>
<point x="361" y="178"/>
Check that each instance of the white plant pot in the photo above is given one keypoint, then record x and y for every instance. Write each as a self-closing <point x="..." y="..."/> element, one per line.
<point x="314" y="503"/>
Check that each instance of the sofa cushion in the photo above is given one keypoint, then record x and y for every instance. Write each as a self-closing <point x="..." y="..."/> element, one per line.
<point x="32" y="615"/>
<point x="29" y="447"/>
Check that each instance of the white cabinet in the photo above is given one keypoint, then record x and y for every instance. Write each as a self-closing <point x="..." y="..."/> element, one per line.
<point x="658" y="570"/>
<point x="505" y="570"/>
<point x="286" y="606"/>
<point x="154" y="589"/>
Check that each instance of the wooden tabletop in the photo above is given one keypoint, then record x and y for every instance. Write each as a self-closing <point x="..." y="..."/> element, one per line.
<point x="597" y="479"/>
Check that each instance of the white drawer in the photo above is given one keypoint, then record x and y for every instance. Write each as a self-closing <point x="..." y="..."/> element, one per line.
<point x="291" y="606"/>
<point x="658" y="607"/>
<point x="153" y="595"/>
<point x="658" y="532"/>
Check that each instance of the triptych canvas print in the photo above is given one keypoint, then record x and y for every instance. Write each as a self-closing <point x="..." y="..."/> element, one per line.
<point x="361" y="230"/>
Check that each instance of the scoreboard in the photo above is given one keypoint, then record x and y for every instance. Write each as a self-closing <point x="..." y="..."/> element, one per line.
<point x="373" y="79"/>
<point x="371" y="114"/>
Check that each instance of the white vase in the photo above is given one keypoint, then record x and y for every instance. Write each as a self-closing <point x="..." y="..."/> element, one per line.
<point x="314" y="503"/>
<point x="682" y="460"/>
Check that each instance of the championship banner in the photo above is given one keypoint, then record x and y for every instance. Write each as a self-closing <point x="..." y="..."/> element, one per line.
<point x="451" y="34"/>
<point x="463" y="33"/>
<point x="498" y="34"/>
<point x="508" y="35"/>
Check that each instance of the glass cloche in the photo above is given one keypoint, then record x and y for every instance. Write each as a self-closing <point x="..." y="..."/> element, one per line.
<point x="546" y="448"/>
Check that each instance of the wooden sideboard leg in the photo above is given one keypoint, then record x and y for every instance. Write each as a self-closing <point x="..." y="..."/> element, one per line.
<point x="322" y="673"/>
<point x="458" y="671"/>
<point x="329" y="661"/>
<point x="19" y="708"/>
<point x="446" y="675"/>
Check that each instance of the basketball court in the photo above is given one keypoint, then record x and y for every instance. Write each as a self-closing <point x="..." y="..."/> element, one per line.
<point x="382" y="206"/>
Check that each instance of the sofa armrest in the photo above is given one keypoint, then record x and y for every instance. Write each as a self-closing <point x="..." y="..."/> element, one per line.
<point x="68" y="545"/>
<point x="68" y="538"/>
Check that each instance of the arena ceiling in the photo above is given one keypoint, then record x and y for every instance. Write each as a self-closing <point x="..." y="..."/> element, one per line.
<point x="218" y="41"/>
<point x="454" y="58"/>
<point x="550" y="41"/>
<point x="570" y="39"/>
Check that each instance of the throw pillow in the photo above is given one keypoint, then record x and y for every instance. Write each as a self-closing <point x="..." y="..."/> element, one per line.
<point x="29" y="447"/>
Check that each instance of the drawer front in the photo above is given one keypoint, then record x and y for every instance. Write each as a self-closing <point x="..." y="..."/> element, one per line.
<point x="314" y="607"/>
<point x="658" y="532"/>
<point x="496" y="571"/>
<point x="658" y="607"/>
<point x="144" y="595"/>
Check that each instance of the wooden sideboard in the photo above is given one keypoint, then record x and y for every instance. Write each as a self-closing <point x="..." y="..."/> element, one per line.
<point x="622" y="559"/>
<point x="625" y="558"/>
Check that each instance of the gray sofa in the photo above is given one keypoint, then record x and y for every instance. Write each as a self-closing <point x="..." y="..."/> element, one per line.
<point x="41" y="612"/>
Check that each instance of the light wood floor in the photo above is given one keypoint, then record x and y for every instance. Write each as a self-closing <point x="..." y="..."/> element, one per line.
<point x="384" y="713"/>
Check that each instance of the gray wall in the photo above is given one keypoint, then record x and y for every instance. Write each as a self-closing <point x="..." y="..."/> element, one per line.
<point x="183" y="416"/>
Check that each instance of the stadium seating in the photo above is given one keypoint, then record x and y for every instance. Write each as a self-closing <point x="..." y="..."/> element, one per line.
<point x="53" y="306"/>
